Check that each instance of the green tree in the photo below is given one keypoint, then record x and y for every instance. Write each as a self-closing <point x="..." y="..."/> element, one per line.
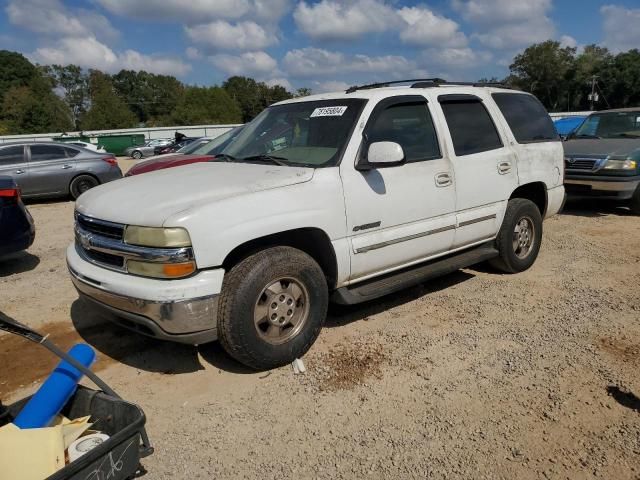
<point x="620" y="81"/>
<point x="151" y="97"/>
<point x="252" y="96"/>
<point x="107" y="109"/>
<point x="74" y="85"/>
<point x="15" y="70"/>
<point x="204" y="105"/>
<point x="302" y="92"/>
<point x="545" y="69"/>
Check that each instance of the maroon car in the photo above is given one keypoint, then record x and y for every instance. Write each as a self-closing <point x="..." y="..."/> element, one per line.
<point x="205" y="153"/>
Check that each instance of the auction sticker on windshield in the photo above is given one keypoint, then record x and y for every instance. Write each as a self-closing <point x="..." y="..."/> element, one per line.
<point x="329" y="112"/>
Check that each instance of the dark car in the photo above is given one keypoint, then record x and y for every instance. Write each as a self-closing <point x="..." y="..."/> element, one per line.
<point x="16" y="225"/>
<point x="173" y="147"/>
<point x="602" y="157"/>
<point x="205" y="153"/>
<point x="50" y="169"/>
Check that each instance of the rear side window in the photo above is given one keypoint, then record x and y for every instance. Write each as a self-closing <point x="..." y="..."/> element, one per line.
<point x="46" y="152"/>
<point x="410" y="125"/>
<point x="472" y="129"/>
<point x="13" y="154"/>
<point x="71" y="152"/>
<point x="526" y="116"/>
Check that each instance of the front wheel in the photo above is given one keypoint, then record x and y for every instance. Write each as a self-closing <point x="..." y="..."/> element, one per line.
<point x="272" y="307"/>
<point x="519" y="238"/>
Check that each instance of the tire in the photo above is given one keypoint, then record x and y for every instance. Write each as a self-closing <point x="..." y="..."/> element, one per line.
<point x="280" y="277"/>
<point x="137" y="154"/>
<point x="519" y="238"/>
<point x="81" y="184"/>
<point x="635" y="201"/>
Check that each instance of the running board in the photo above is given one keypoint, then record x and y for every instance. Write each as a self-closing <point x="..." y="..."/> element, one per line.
<point x="396" y="281"/>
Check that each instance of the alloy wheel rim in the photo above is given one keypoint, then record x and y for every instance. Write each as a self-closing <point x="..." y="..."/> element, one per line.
<point x="281" y="310"/>
<point x="523" y="237"/>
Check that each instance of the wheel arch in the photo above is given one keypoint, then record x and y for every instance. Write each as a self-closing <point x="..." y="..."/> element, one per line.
<point x="88" y="174"/>
<point x="313" y="241"/>
<point x="535" y="192"/>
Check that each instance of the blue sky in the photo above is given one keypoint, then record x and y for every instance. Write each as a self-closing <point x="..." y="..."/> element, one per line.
<point x="320" y="44"/>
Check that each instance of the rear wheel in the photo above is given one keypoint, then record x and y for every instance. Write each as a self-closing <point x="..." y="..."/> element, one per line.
<point x="519" y="238"/>
<point x="272" y="307"/>
<point x="81" y="184"/>
<point x="137" y="154"/>
<point x="635" y="201"/>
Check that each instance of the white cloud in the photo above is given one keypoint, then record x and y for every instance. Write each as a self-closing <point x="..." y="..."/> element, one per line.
<point x="51" y="18"/>
<point x="193" y="53"/>
<point x="90" y="53"/>
<point x="620" y="27"/>
<point x="198" y="11"/>
<point x="283" y="82"/>
<point x="313" y="62"/>
<point x="177" y="10"/>
<point x="568" y="41"/>
<point x="329" y="86"/>
<point x="455" y="58"/>
<point x="247" y="64"/>
<point x="223" y="35"/>
<point x="508" y="24"/>
<point x="426" y="28"/>
<point x="333" y="20"/>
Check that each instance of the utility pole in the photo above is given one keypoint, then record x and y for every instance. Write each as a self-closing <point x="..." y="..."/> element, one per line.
<point x="594" y="96"/>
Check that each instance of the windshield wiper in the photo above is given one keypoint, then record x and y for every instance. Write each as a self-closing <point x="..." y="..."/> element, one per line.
<point x="281" y="161"/>
<point x="224" y="157"/>
<point x="624" y="135"/>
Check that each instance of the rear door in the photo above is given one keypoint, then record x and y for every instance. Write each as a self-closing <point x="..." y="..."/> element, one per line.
<point x="14" y="165"/>
<point x="51" y="168"/>
<point x="484" y="166"/>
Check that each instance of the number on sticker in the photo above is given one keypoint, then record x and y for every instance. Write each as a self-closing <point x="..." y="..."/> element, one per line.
<point x="329" y="112"/>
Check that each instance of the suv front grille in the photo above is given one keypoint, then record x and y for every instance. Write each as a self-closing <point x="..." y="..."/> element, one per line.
<point x="106" y="259"/>
<point x="100" y="227"/>
<point x="588" y="164"/>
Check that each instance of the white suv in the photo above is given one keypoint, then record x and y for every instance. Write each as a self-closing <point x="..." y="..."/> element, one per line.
<point x="342" y="196"/>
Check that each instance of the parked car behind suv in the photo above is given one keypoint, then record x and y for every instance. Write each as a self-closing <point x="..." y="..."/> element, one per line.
<point x="17" y="230"/>
<point x="147" y="149"/>
<point x="50" y="169"/>
<point x="603" y="157"/>
<point x="345" y="196"/>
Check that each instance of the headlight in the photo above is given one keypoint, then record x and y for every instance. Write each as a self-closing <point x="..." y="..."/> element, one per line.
<point x="157" y="237"/>
<point x="620" y="164"/>
<point x="161" y="270"/>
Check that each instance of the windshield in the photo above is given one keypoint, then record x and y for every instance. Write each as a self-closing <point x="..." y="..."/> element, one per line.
<point x="215" y="146"/>
<point x="611" y="125"/>
<point x="191" y="147"/>
<point x="310" y="134"/>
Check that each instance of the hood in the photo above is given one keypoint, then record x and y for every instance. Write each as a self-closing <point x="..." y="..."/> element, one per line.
<point x="168" y="161"/>
<point x="148" y="200"/>
<point x="601" y="147"/>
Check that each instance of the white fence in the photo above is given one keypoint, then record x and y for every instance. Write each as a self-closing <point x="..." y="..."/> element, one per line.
<point x="149" y="133"/>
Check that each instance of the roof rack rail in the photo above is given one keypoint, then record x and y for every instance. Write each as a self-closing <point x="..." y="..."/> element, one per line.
<point x="426" y="83"/>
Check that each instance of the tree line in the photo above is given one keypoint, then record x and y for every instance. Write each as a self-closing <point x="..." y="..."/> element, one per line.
<point x="564" y="77"/>
<point x="58" y="98"/>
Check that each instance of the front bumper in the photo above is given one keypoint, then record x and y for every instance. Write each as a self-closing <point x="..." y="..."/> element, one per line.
<point x="601" y="186"/>
<point x="183" y="310"/>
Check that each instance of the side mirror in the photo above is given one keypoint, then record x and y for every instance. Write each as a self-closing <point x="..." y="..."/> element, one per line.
<point x="382" y="155"/>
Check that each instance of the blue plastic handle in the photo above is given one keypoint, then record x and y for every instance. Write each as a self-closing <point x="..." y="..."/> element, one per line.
<point x="56" y="391"/>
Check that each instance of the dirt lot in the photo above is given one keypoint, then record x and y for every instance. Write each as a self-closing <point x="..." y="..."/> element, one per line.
<point x="476" y="375"/>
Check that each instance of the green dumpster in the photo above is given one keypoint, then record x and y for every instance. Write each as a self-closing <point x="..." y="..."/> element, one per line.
<point x="115" y="143"/>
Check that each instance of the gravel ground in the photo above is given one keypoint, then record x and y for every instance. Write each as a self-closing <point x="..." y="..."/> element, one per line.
<point x="475" y="375"/>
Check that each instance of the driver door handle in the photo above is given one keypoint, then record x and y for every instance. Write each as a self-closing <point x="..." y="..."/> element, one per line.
<point x="504" y="168"/>
<point x="66" y="167"/>
<point x="19" y="172"/>
<point x="443" y="179"/>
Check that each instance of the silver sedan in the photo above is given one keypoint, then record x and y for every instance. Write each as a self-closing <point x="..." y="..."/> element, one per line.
<point x="147" y="149"/>
<point x="51" y="169"/>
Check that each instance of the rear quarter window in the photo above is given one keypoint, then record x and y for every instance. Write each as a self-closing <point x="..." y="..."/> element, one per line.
<point x="527" y="117"/>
